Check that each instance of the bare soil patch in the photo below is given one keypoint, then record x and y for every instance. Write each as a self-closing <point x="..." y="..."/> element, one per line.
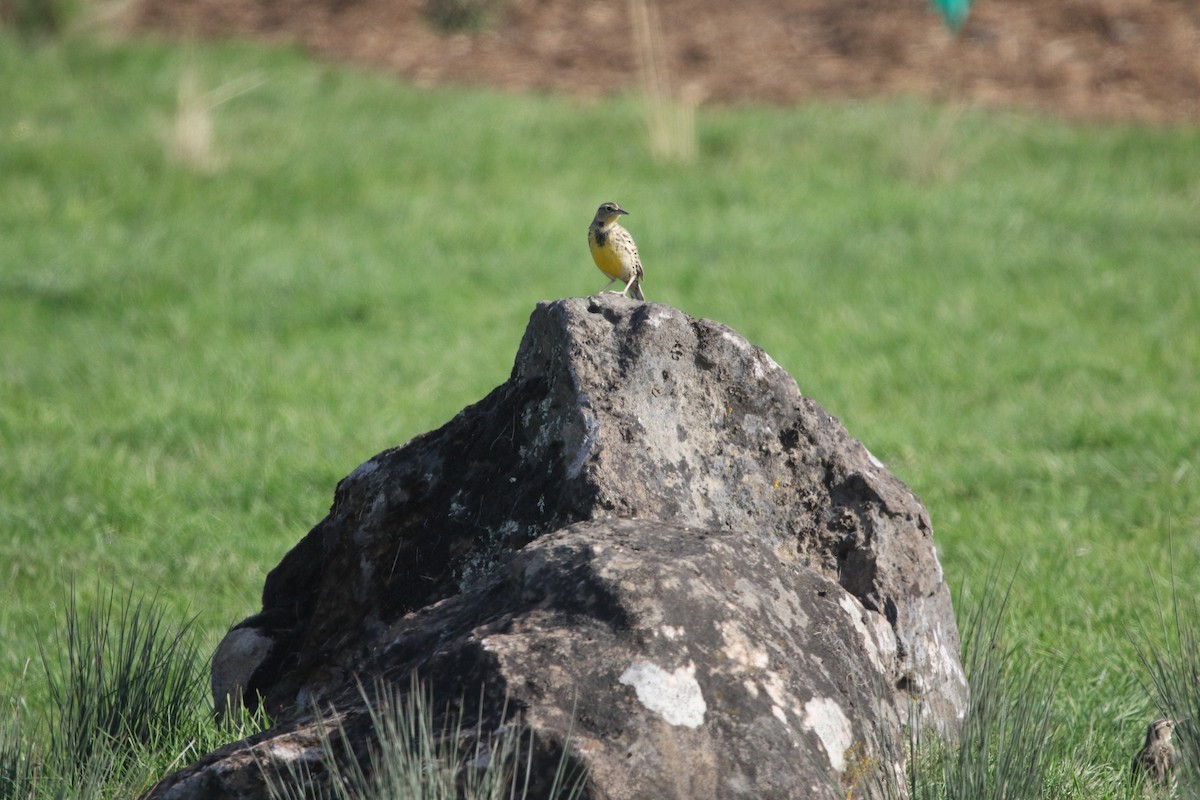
<point x="1083" y="59"/>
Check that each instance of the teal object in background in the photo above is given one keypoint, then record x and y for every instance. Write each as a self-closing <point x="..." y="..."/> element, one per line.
<point x="954" y="12"/>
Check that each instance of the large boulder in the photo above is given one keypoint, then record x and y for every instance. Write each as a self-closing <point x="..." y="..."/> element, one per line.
<point x="747" y="609"/>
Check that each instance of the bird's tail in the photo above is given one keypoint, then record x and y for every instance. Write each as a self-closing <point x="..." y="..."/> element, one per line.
<point x="635" y="290"/>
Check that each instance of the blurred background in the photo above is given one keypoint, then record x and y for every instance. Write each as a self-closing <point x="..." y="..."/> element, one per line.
<point x="1089" y="59"/>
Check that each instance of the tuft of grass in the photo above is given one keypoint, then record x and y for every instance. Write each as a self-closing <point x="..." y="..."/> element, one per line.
<point x="190" y="142"/>
<point x="126" y="707"/>
<point x="122" y="678"/>
<point x="1171" y="662"/>
<point x="416" y="758"/>
<point x="19" y="757"/>
<point x="1007" y="738"/>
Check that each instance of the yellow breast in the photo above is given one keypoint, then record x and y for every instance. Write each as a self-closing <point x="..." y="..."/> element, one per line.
<point x="608" y="258"/>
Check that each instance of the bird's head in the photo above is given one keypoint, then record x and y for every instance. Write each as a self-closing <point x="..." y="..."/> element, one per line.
<point x="607" y="214"/>
<point x="1160" y="730"/>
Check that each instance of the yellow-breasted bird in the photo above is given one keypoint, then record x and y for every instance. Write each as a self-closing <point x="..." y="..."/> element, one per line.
<point x="614" y="252"/>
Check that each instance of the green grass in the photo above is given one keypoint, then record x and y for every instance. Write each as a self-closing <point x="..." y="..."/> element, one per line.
<point x="121" y="678"/>
<point x="424" y="752"/>
<point x="125" y="707"/>
<point x="1005" y="309"/>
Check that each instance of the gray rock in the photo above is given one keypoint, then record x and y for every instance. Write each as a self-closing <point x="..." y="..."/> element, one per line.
<point x="239" y="656"/>
<point x="690" y="663"/>
<point x="780" y="593"/>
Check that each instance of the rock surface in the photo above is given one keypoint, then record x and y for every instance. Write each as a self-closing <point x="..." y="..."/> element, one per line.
<point x="747" y="614"/>
<point x="691" y="664"/>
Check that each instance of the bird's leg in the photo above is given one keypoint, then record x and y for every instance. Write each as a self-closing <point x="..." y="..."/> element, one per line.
<point x="605" y="287"/>
<point x="625" y="292"/>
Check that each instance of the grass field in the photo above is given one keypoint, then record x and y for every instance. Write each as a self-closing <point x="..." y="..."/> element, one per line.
<point x="193" y="350"/>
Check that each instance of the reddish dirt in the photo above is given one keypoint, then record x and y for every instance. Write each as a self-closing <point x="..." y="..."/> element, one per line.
<point x="1083" y="59"/>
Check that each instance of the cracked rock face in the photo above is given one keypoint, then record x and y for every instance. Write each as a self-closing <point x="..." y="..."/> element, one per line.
<point x="755" y="594"/>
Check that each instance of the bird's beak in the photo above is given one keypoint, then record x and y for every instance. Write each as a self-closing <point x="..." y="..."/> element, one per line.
<point x="622" y="211"/>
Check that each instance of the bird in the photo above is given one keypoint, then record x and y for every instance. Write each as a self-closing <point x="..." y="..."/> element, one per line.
<point x="1155" y="764"/>
<point x="614" y="252"/>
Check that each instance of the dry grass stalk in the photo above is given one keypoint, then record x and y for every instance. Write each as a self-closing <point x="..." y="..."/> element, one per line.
<point x="670" y="120"/>
<point x="191" y="141"/>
